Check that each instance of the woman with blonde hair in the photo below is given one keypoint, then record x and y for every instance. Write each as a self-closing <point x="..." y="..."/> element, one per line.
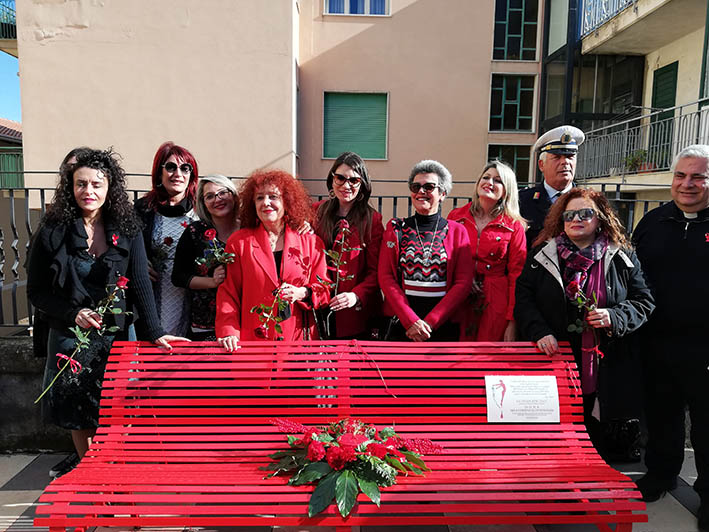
<point x="496" y="230"/>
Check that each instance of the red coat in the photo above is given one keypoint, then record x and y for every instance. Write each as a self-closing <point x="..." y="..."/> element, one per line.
<point x="459" y="278"/>
<point x="363" y="264"/>
<point x="252" y="278"/>
<point x="499" y="253"/>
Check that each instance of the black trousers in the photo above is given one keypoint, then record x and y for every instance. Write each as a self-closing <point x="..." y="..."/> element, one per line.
<point x="677" y="378"/>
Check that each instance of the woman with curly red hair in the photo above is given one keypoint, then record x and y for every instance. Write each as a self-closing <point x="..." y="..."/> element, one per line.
<point x="275" y="270"/>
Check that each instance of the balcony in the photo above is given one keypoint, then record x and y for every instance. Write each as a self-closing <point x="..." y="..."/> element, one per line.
<point x="8" y="27"/>
<point x="637" y="27"/>
<point x="646" y="144"/>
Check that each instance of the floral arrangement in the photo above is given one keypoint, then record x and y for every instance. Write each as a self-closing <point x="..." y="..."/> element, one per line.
<point x="346" y="457"/>
<point x="161" y="252"/>
<point x="83" y="335"/>
<point x="272" y="314"/>
<point x="214" y="255"/>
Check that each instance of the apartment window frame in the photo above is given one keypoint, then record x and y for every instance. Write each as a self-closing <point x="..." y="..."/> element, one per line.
<point x="364" y="156"/>
<point x="524" y="25"/>
<point x="531" y="117"/>
<point x="347" y="8"/>
<point x="526" y="151"/>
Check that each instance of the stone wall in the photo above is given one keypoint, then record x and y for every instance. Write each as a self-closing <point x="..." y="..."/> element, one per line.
<point x="20" y="383"/>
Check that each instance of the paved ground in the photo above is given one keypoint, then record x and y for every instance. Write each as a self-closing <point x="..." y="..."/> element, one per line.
<point x="24" y="476"/>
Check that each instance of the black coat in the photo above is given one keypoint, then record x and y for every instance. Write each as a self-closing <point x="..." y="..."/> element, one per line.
<point x="52" y="285"/>
<point x="534" y="204"/>
<point x="542" y="308"/>
<point x="674" y="251"/>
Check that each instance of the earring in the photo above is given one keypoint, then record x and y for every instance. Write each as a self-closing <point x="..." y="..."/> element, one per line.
<point x="331" y="193"/>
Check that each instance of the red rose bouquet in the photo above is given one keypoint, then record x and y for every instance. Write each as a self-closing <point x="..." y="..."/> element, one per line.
<point x="83" y="335"/>
<point x="346" y="457"/>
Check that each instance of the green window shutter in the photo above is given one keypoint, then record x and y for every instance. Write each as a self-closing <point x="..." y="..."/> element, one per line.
<point x="355" y="122"/>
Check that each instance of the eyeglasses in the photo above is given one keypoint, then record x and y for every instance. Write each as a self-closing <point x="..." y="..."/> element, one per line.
<point x="185" y="168"/>
<point x="428" y="187"/>
<point x="341" y="180"/>
<point x="222" y="194"/>
<point x="584" y="215"/>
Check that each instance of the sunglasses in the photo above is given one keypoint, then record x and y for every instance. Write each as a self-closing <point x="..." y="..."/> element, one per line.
<point x="222" y="194"/>
<point x="341" y="180"/>
<point x="428" y="187"/>
<point x="584" y="215"/>
<point x="185" y="168"/>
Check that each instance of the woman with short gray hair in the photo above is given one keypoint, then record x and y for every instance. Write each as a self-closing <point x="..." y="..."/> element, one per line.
<point x="425" y="263"/>
<point x="199" y="259"/>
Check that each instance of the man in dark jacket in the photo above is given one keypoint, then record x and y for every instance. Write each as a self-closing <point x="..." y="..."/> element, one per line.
<point x="672" y="243"/>
<point x="557" y="162"/>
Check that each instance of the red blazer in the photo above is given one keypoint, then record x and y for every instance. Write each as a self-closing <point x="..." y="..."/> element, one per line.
<point x="363" y="265"/>
<point x="459" y="277"/>
<point x="252" y="278"/>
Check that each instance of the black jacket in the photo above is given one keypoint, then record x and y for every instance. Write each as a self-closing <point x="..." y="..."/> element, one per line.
<point x="542" y="308"/>
<point x="674" y="251"/>
<point x="53" y="287"/>
<point x="534" y="204"/>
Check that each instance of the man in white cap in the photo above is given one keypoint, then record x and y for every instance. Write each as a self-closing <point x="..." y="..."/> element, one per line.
<point x="557" y="162"/>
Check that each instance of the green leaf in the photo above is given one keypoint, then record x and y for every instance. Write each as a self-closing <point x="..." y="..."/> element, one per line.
<point x="415" y="459"/>
<point x="387" y="432"/>
<point x="346" y="492"/>
<point x="371" y="490"/>
<point x="395" y="463"/>
<point x="116" y="310"/>
<point x="571" y="328"/>
<point x="292" y="439"/>
<point x="277" y="327"/>
<point x="311" y="473"/>
<point x="114" y="328"/>
<point x="323" y="494"/>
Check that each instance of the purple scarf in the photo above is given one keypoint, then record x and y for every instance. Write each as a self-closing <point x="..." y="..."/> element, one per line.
<point x="585" y="266"/>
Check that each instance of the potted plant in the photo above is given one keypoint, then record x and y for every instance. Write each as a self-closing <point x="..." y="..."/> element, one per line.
<point x="635" y="160"/>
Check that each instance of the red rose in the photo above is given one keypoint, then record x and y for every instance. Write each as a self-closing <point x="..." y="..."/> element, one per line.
<point x="168" y="241"/>
<point x="343" y="224"/>
<point x="352" y="440"/>
<point x="337" y="457"/>
<point x="210" y="234"/>
<point x="202" y="269"/>
<point x="377" y="449"/>
<point x="316" y="451"/>
<point x="184" y="224"/>
<point x="114" y="239"/>
<point x="308" y="437"/>
<point x="122" y="282"/>
<point x="261" y="331"/>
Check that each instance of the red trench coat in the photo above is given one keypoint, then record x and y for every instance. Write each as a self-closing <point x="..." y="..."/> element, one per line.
<point x="252" y="278"/>
<point x="499" y="253"/>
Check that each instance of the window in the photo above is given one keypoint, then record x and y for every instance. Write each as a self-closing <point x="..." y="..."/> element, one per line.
<point x="356" y="7"/>
<point x="511" y="103"/>
<point x="355" y="122"/>
<point x="515" y="156"/>
<point x="515" y="30"/>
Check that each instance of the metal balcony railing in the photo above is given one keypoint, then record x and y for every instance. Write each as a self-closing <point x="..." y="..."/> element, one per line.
<point x="648" y="143"/>
<point x="8" y="22"/>
<point x="595" y="13"/>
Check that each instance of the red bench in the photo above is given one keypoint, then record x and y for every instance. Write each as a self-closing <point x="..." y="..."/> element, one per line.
<point x="182" y="437"/>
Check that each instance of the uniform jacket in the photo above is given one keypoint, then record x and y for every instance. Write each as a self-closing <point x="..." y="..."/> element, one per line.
<point x="674" y="252"/>
<point x="363" y="264"/>
<point x="534" y="204"/>
<point x="542" y="308"/>
<point x="459" y="277"/>
<point x="252" y="278"/>
<point x="53" y="287"/>
<point x="498" y="251"/>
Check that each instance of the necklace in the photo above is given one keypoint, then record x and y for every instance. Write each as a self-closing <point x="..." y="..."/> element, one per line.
<point x="426" y="252"/>
<point x="274" y="241"/>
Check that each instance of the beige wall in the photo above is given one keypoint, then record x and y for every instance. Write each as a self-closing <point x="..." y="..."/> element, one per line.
<point x="434" y="61"/>
<point x="216" y="76"/>
<point x="688" y="51"/>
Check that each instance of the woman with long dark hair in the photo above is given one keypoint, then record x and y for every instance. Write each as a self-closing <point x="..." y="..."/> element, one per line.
<point x="353" y="230"/>
<point x="165" y="211"/>
<point x="88" y="240"/>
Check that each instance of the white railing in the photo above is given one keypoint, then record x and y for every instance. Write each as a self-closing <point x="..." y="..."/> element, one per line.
<point x="647" y="143"/>
<point x="597" y="12"/>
